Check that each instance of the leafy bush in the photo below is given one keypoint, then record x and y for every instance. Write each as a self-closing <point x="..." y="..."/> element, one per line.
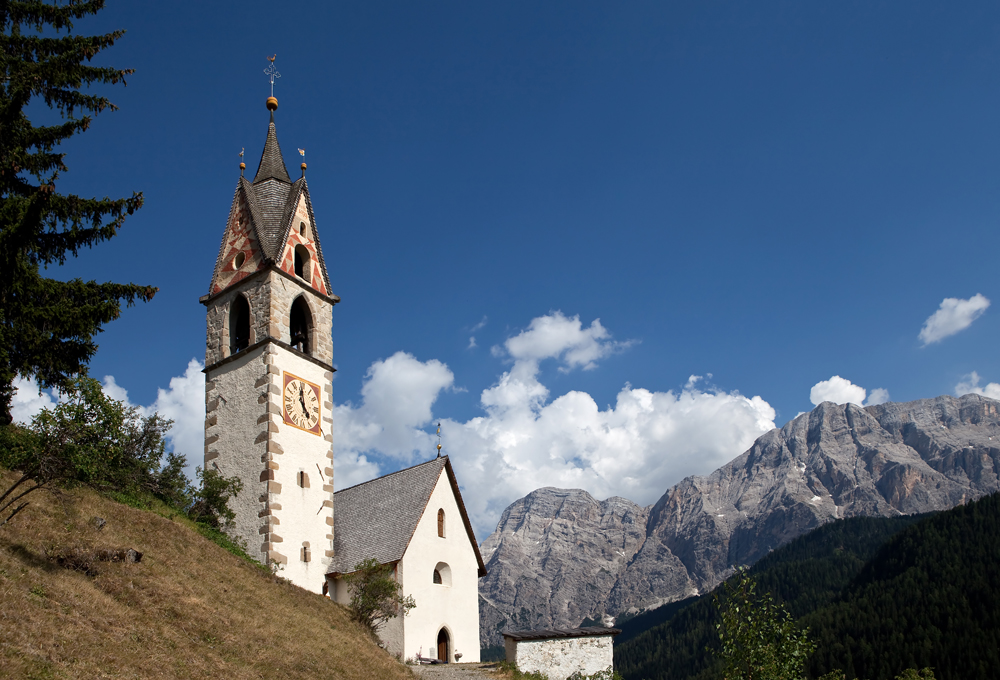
<point x="89" y="438"/>
<point x="376" y="596"/>
<point x="211" y="499"/>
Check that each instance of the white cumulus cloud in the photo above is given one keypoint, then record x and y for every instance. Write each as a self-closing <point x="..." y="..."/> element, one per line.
<point x="524" y="440"/>
<point x="952" y="316"/>
<point x="29" y="400"/>
<point x="556" y="336"/>
<point x="183" y="402"/>
<point x="843" y="391"/>
<point x="396" y="401"/>
<point x="879" y="395"/>
<point x="970" y="385"/>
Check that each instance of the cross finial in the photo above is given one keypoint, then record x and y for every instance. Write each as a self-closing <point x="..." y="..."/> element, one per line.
<point x="272" y="72"/>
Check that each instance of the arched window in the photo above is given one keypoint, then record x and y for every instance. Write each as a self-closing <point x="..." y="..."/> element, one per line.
<point x="441" y="522"/>
<point x="300" y="325"/>
<point x="442" y="574"/>
<point x="302" y="262"/>
<point x="239" y="325"/>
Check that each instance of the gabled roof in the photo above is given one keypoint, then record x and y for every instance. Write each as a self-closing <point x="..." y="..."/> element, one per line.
<point x="377" y="519"/>
<point x="555" y="633"/>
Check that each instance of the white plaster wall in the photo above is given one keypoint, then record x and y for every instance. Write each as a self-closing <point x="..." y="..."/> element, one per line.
<point x="561" y="657"/>
<point x="454" y="607"/>
<point x="306" y="514"/>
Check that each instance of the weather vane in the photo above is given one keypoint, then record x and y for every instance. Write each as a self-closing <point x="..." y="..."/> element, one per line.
<point x="272" y="72"/>
<point x="439" y="440"/>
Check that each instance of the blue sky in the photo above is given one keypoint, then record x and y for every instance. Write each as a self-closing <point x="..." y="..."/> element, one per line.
<point x="772" y="194"/>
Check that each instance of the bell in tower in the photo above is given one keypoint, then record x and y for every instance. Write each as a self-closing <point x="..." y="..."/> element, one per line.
<point x="269" y="370"/>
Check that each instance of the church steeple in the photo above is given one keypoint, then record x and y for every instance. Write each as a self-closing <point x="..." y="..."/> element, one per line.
<point x="269" y="370"/>
<point x="272" y="164"/>
<point x="271" y="225"/>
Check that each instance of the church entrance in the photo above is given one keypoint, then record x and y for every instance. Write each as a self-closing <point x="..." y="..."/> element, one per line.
<point x="443" y="646"/>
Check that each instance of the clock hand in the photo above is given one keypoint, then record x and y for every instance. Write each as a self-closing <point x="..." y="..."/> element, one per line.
<point x="302" y="400"/>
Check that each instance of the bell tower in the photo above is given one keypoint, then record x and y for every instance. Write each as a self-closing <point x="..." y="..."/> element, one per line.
<point x="269" y="372"/>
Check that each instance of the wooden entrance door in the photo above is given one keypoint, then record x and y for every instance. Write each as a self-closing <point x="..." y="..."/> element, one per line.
<point x="443" y="645"/>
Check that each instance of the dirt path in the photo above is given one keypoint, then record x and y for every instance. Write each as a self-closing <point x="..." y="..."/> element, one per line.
<point x="457" y="671"/>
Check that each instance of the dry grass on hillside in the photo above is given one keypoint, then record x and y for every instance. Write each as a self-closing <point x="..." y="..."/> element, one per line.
<point x="189" y="609"/>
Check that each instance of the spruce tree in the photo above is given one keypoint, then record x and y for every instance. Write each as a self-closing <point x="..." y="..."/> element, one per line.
<point x="48" y="327"/>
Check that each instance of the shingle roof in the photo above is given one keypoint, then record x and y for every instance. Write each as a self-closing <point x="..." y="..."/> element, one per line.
<point x="377" y="519"/>
<point x="272" y="165"/>
<point x="587" y="631"/>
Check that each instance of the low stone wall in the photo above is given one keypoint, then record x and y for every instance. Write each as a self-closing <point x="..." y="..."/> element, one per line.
<point x="560" y="653"/>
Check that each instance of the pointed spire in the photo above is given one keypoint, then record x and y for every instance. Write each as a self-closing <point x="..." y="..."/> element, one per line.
<point x="272" y="165"/>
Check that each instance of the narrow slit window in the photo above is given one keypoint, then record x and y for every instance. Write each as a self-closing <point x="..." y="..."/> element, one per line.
<point x="303" y="479"/>
<point x="441" y="522"/>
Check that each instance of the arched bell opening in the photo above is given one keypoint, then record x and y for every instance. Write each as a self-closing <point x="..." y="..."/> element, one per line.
<point x="239" y="325"/>
<point x="300" y="325"/>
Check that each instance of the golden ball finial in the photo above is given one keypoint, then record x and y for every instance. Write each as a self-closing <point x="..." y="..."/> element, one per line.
<point x="243" y="166"/>
<point x="272" y="104"/>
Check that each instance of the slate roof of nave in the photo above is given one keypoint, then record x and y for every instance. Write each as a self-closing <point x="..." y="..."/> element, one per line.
<point x="272" y="198"/>
<point x="377" y="518"/>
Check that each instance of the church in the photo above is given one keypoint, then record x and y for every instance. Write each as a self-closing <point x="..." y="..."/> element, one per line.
<point x="268" y="421"/>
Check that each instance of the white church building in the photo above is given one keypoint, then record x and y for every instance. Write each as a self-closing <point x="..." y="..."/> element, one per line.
<point x="268" y="421"/>
<point x="415" y="519"/>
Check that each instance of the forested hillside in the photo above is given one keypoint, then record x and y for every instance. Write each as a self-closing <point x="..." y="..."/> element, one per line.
<point x="879" y="596"/>
<point x="930" y="597"/>
<point x="809" y="572"/>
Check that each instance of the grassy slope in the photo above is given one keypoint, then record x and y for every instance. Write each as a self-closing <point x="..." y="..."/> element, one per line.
<point x="189" y="609"/>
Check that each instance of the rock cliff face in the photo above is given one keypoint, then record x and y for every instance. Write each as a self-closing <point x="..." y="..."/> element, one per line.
<point x="559" y="556"/>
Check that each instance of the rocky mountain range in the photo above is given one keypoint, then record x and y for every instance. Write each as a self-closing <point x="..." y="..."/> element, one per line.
<point x="559" y="556"/>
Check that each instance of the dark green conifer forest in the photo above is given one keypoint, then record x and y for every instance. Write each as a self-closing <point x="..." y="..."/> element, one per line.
<point x="878" y="595"/>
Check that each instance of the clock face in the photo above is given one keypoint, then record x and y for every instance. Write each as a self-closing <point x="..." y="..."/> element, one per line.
<point x="301" y="403"/>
